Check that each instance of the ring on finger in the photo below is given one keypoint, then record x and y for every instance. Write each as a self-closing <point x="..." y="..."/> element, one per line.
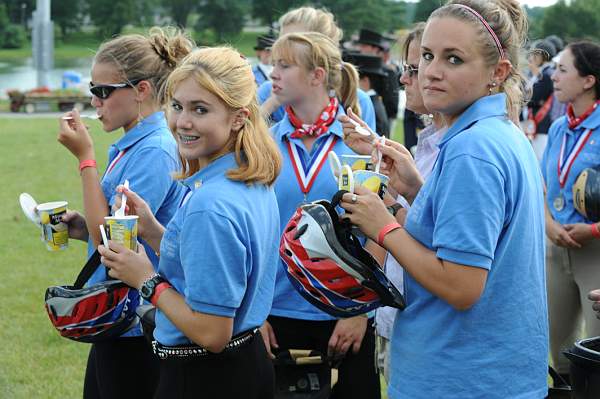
<point x="354" y="198"/>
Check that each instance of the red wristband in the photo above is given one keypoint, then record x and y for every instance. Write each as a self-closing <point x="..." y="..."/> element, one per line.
<point x="595" y="231"/>
<point x="159" y="290"/>
<point x="88" y="163"/>
<point x="385" y="230"/>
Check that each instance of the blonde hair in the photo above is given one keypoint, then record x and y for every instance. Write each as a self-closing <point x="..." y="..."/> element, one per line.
<point x="312" y="50"/>
<point x="509" y="22"/>
<point x="225" y="73"/>
<point x="314" y="20"/>
<point x="150" y="57"/>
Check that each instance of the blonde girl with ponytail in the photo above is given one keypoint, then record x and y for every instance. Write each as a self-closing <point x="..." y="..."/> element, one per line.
<point x="315" y="86"/>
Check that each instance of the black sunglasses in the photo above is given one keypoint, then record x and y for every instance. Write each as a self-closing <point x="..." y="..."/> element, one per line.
<point x="104" y="91"/>
<point x="411" y="70"/>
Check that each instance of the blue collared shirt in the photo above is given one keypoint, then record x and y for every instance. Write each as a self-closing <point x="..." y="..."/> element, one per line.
<point x="367" y="112"/>
<point x="589" y="157"/>
<point x="259" y="75"/>
<point x="149" y="159"/>
<point x="287" y="301"/>
<point x="480" y="207"/>
<point x="220" y="250"/>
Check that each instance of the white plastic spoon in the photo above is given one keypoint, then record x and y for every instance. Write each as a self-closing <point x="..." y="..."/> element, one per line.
<point x="334" y="164"/>
<point x="83" y="116"/>
<point x="378" y="164"/>
<point x="361" y="130"/>
<point x="104" y="238"/>
<point x="121" y="211"/>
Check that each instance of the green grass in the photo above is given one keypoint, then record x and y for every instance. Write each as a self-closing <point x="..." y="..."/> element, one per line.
<point x="84" y="44"/>
<point x="35" y="361"/>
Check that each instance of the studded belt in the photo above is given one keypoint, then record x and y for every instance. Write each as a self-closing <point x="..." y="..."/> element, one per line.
<point x="185" y="351"/>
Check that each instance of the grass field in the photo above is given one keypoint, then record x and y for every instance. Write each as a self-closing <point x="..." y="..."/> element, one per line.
<point x="35" y="362"/>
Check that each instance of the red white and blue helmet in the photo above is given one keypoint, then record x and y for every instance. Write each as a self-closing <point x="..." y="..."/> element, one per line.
<point x="91" y="314"/>
<point x="329" y="267"/>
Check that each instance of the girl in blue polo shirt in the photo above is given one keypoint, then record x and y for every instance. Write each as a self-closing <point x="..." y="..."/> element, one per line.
<point x="128" y="75"/>
<point x="218" y="255"/>
<point x="311" y="79"/>
<point x="472" y="246"/>
<point x="309" y="19"/>
<point x="573" y="247"/>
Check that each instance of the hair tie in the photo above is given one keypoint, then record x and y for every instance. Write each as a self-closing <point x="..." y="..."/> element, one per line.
<point x="487" y="26"/>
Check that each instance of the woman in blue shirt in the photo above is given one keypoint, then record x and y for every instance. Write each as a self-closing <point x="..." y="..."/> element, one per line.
<point x="128" y="76"/>
<point x="218" y="255"/>
<point x="573" y="246"/>
<point x="472" y="247"/>
<point x="311" y="79"/>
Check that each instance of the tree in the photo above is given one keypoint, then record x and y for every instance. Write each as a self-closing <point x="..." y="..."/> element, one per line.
<point x="224" y="17"/>
<point x="68" y="14"/>
<point x="269" y="11"/>
<point x="425" y="8"/>
<point x="19" y="10"/>
<point x="180" y="10"/>
<point x="110" y="17"/>
<point x="576" y="20"/>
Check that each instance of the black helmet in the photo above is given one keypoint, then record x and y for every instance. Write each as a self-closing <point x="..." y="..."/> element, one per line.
<point x="586" y="194"/>
<point x="557" y="41"/>
<point x="585" y="368"/>
<point x="545" y="48"/>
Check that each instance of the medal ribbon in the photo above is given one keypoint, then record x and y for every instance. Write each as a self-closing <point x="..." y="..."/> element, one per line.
<point x="564" y="165"/>
<point x="306" y="174"/>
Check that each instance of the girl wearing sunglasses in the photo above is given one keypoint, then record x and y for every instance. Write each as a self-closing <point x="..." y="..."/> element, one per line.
<point x="128" y="75"/>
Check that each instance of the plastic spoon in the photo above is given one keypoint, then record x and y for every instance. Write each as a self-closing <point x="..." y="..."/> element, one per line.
<point x="84" y="116"/>
<point x="378" y="164"/>
<point x="335" y="165"/>
<point x="121" y="211"/>
<point x="361" y="130"/>
<point x="104" y="238"/>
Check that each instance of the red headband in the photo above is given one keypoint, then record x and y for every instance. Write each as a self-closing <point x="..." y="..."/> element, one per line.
<point x="487" y="26"/>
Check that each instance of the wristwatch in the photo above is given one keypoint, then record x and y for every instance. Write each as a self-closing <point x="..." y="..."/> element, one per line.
<point x="152" y="287"/>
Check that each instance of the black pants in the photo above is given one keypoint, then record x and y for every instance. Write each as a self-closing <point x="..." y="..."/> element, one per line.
<point x="245" y="372"/>
<point x="121" y="368"/>
<point x="357" y="375"/>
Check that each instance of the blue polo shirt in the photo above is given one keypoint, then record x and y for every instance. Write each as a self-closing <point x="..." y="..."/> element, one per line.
<point x="367" y="112"/>
<point x="220" y="250"/>
<point x="259" y="75"/>
<point x="589" y="157"/>
<point x="287" y="302"/>
<point x="482" y="206"/>
<point x="148" y="159"/>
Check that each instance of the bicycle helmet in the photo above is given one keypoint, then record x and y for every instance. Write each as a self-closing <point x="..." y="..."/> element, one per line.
<point x="328" y="266"/>
<point x="586" y="194"/>
<point x="95" y="313"/>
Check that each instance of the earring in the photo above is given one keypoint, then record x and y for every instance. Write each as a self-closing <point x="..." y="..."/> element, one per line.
<point x="492" y="87"/>
<point x="139" y="118"/>
<point x="331" y="93"/>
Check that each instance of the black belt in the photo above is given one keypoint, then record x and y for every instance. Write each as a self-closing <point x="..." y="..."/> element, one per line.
<point x="184" y="351"/>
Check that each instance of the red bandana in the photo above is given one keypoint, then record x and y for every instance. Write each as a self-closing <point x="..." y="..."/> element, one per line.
<point x="576" y="121"/>
<point x="319" y="127"/>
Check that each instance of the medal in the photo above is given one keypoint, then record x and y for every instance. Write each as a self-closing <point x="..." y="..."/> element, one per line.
<point x="565" y="162"/>
<point x="559" y="202"/>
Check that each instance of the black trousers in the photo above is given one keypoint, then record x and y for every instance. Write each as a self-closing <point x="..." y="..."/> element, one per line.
<point x="246" y="372"/>
<point x="121" y="368"/>
<point x="358" y="376"/>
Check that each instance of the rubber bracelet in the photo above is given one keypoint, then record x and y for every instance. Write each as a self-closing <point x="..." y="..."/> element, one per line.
<point x="88" y="163"/>
<point x="385" y="230"/>
<point x="159" y="290"/>
<point x="595" y="231"/>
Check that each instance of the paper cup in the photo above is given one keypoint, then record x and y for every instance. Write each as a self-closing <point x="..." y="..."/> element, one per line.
<point x="123" y="230"/>
<point x="55" y="233"/>
<point x="357" y="162"/>
<point x="375" y="182"/>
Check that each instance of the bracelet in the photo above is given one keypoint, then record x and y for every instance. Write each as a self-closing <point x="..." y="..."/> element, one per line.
<point x="393" y="209"/>
<point x="595" y="230"/>
<point x="385" y="230"/>
<point x="159" y="290"/>
<point x="88" y="163"/>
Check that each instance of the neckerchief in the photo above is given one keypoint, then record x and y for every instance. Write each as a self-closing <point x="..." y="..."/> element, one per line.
<point x="576" y="121"/>
<point x="321" y="125"/>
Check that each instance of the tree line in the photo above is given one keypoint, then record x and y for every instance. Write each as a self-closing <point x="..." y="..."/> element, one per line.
<point x="226" y="18"/>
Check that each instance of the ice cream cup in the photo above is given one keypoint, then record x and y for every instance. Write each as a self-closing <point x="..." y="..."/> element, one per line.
<point x="122" y="229"/>
<point x="55" y="233"/>
<point x="357" y="162"/>
<point x="375" y="182"/>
